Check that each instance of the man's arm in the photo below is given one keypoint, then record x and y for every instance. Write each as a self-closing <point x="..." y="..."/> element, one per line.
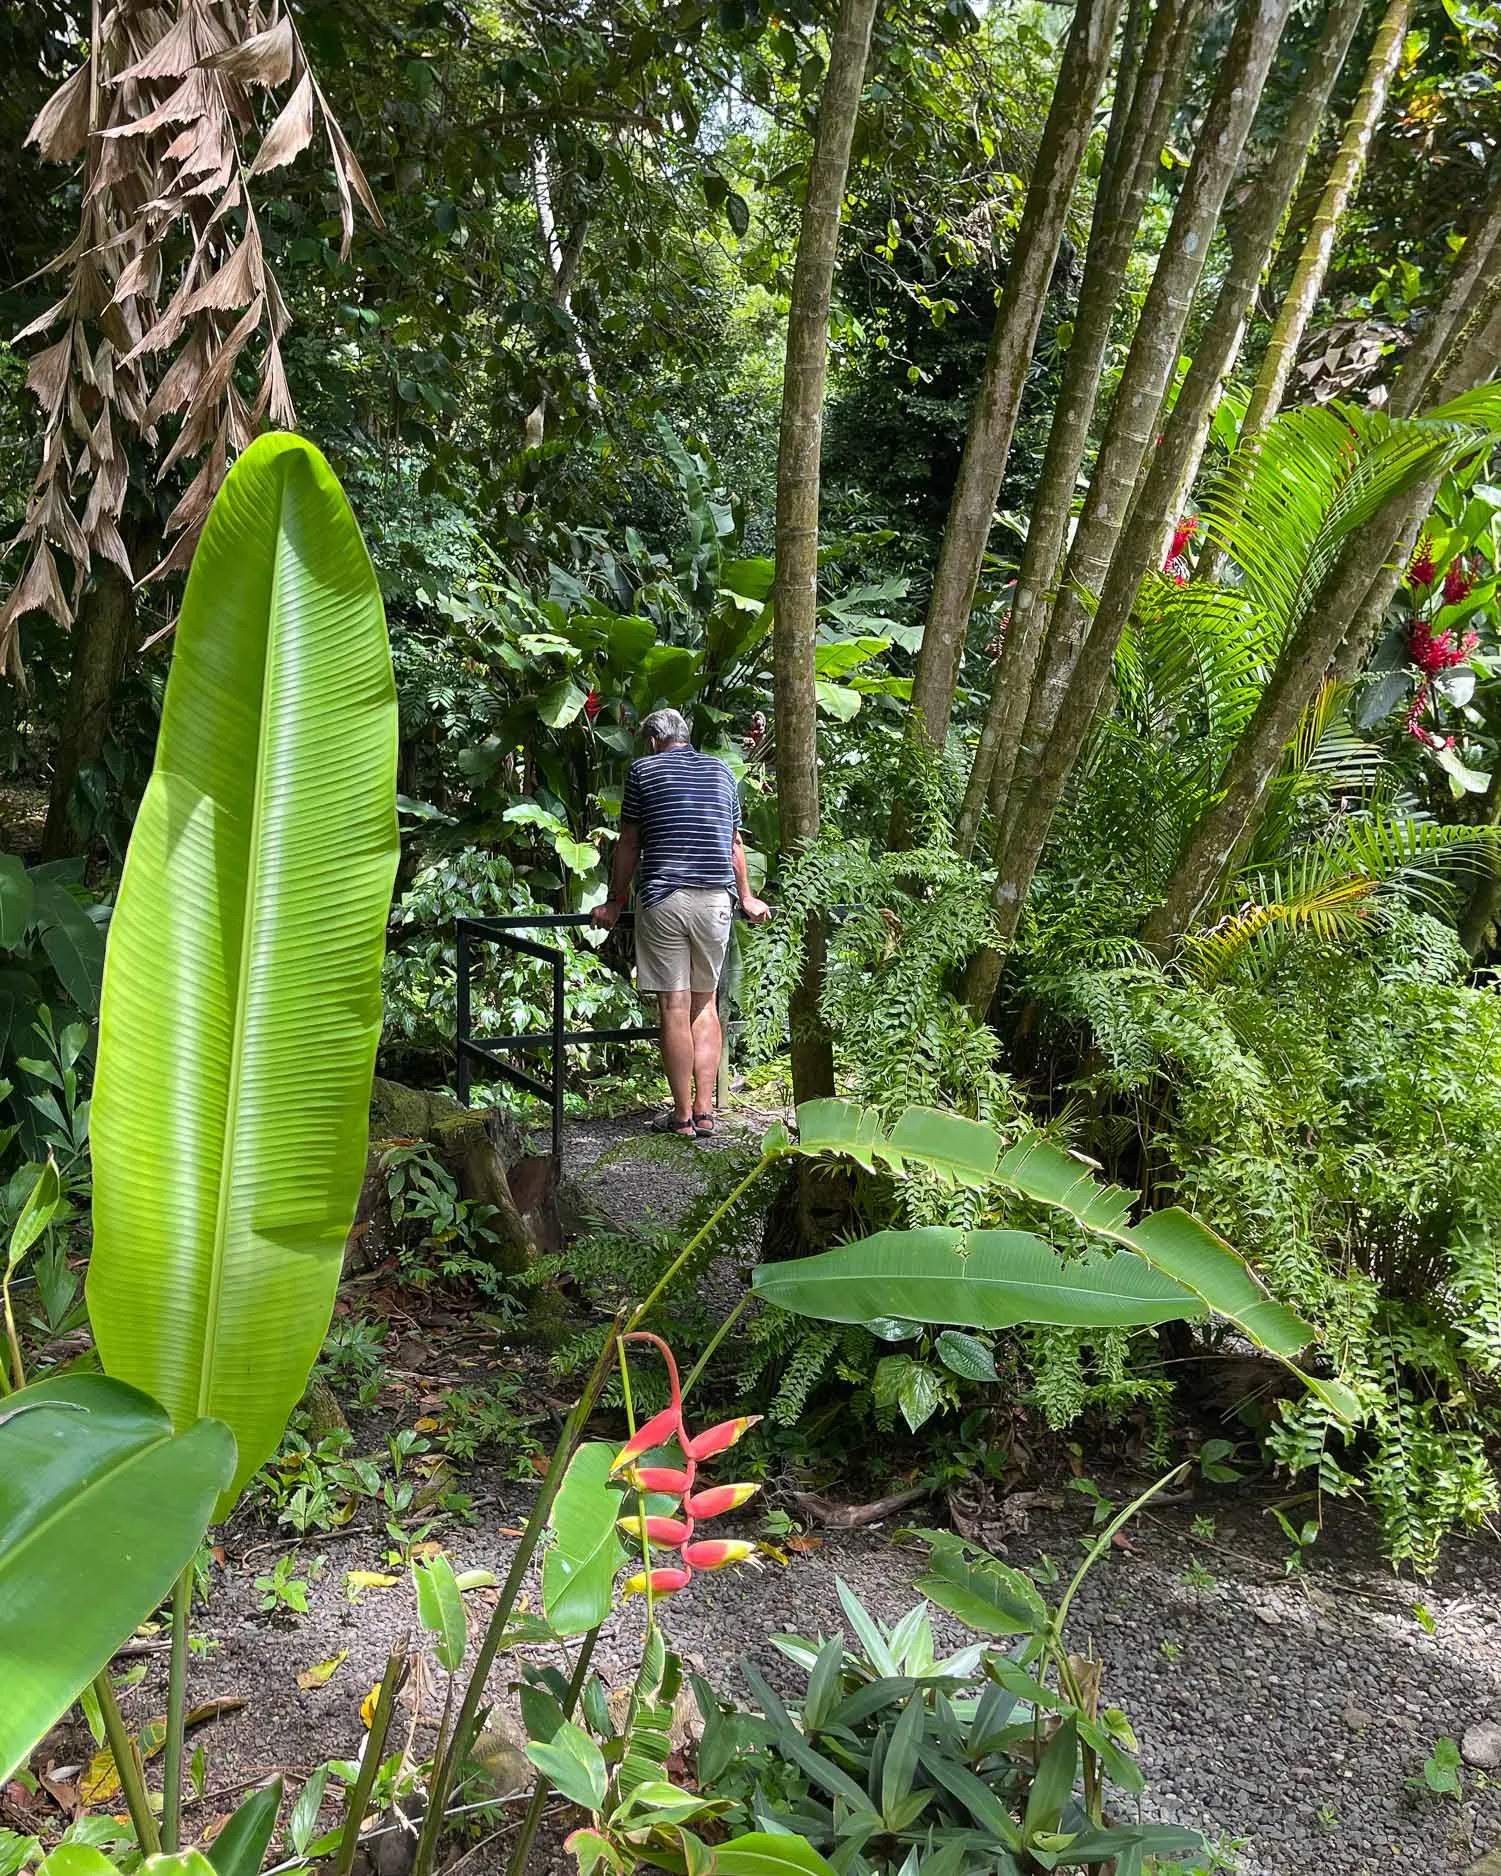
<point x="622" y="871"/>
<point x="756" y="910"/>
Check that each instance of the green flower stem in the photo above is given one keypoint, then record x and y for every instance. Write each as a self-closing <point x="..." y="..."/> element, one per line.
<point x="644" y="1309"/>
<point x="177" y="1697"/>
<point x="459" y="1743"/>
<point x="375" y="1745"/>
<point x="533" y="1818"/>
<point x="128" y="1765"/>
<point x="714" y="1341"/>
<point x="1098" y="1549"/>
<point x="630" y="1427"/>
<point x="13" y="1342"/>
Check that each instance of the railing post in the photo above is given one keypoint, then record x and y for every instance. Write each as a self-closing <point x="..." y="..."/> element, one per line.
<point x="461" y="1077"/>
<point x="559" y="1065"/>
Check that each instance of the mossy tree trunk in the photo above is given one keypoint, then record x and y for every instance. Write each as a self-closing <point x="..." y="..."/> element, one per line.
<point x="795" y="596"/>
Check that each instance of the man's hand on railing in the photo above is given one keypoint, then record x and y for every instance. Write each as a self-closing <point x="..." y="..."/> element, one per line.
<point x="607" y="913"/>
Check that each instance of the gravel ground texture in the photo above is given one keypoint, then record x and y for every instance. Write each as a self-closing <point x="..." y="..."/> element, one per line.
<point x="1289" y="1714"/>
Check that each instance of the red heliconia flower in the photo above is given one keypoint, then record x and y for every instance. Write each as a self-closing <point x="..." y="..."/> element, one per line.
<point x="1457" y="582"/>
<point x="1421" y="570"/>
<point x="676" y="1533"/>
<point x="666" y="1479"/>
<point x="1186" y="529"/>
<point x="718" y="1499"/>
<point x="716" y="1552"/>
<point x="667" y="1425"/>
<point x="669" y="1533"/>
<point x="665" y="1582"/>
<point x="719" y="1439"/>
<point x="591" y="704"/>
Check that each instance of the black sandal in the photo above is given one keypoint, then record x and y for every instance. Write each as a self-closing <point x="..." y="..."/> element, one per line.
<point x="669" y="1123"/>
<point x="703" y="1126"/>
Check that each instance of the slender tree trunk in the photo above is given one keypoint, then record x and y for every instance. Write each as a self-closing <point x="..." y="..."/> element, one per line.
<point x="1467" y="301"/>
<point x="562" y="266"/>
<point x="1068" y="692"/>
<point x="1081" y="75"/>
<point x="1437" y="353"/>
<point x="1138" y="128"/>
<point x="1175" y="461"/>
<point x="1349" y="593"/>
<point x="1313" y="262"/>
<point x="1128" y="65"/>
<point x="101" y="639"/>
<point x="795" y="593"/>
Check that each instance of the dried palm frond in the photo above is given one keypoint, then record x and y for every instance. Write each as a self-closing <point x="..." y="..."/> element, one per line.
<point x="173" y="115"/>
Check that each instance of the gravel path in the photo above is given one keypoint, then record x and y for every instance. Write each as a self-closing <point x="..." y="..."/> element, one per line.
<point x="1291" y="1714"/>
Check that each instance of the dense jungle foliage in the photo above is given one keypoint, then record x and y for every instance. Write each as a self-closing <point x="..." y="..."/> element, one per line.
<point x="1212" y="900"/>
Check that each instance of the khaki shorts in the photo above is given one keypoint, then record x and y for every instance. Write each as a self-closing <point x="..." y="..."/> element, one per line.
<point x="681" y="941"/>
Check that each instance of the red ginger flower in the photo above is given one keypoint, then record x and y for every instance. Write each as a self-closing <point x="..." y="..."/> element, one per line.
<point x="1417" y="728"/>
<point x="676" y="1533"/>
<point x="591" y="704"/>
<point x="1457" y="582"/>
<point x="1186" y="529"/>
<point x="1434" y="652"/>
<point x="1420" y="569"/>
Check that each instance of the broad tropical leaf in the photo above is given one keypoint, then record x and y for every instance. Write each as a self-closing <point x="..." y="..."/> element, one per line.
<point x="240" y="1847"/>
<point x="978" y="1279"/>
<point x="955" y="1150"/>
<point x="101" y="1505"/>
<point x="1173" y="1242"/>
<point x="579" y="1570"/>
<point x="984" y="1593"/>
<point x="840" y="1127"/>
<point x="762" y="1854"/>
<point x="241" y="1004"/>
<point x="440" y="1608"/>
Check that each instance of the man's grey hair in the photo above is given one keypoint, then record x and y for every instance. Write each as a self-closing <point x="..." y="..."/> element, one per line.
<point x="666" y="726"/>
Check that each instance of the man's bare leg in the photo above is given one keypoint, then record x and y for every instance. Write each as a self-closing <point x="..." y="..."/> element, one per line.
<point x="678" y="1043"/>
<point x="706" y="1047"/>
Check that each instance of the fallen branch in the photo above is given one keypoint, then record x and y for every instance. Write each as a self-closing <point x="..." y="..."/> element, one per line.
<point x="836" y="1517"/>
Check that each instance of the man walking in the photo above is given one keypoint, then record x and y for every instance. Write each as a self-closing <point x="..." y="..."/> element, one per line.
<point x="680" y="824"/>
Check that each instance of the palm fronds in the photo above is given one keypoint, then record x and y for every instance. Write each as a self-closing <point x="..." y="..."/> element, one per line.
<point x="1325" y="890"/>
<point x="1283" y="511"/>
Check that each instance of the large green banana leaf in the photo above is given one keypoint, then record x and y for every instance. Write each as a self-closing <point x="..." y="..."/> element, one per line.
<point x="241" y="1004"/>
<point x="980" y="1279"/>
<point x="101" y="1506"/>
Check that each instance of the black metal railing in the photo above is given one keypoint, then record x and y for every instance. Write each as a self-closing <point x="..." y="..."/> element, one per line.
<point x="486" y="1051"/>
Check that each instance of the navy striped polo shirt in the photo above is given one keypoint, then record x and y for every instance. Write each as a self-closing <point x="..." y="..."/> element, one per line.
<point x="688" y="808"/>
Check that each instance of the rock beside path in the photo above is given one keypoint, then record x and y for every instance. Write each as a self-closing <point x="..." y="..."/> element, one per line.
<point x="1481" y="1745"/>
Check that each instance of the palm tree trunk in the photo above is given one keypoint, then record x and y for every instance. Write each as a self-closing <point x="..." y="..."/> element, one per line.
<point x="992" y="423"/>
<point x="795" y="593"/>
<point x="1437" y="353"/>
<point x="1349" y="593"/>
<point x="1068" y="691"/>
<point x="1175" y="462"/>
<point x="1313" y="262"/>
<point x="1138" y="129"/>
<point x="1467" y="300"/>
